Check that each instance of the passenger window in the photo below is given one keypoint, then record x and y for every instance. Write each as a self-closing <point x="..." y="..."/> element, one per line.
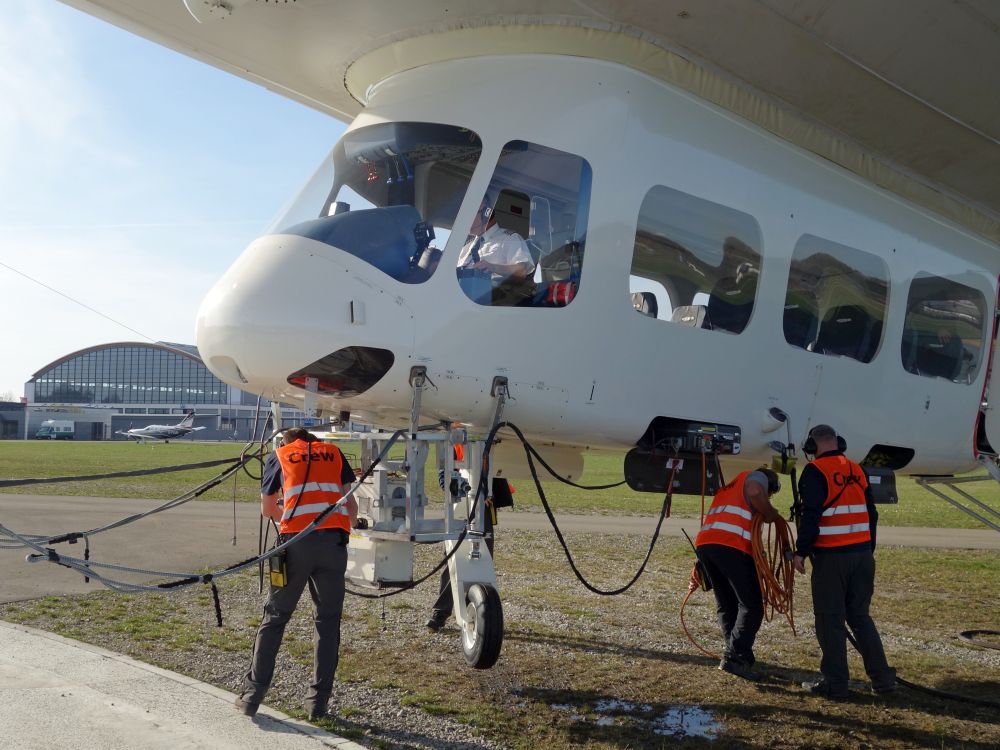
<point x="944" y="328"/>
<point x="525" y="248"/>
<point x="696" y="261"/>
<point x="836" y="297"/>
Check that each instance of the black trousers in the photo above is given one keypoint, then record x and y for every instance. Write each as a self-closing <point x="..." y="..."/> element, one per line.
<point x="445" y="603"/>
<point x="739" y="603"/>
<point x="319" y="561"/>
<point x="842" y="588"/>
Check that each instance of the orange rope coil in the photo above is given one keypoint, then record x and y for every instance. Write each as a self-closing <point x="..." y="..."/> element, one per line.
<point x="772" y="556"/>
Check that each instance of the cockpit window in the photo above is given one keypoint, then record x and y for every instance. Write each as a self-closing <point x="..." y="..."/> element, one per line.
<point x="389" y="195"/>
<point x="943" y="332"/>
<point x="525" y="247"/>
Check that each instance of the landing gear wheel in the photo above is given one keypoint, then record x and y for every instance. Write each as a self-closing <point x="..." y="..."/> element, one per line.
<point x="483" y="635"/>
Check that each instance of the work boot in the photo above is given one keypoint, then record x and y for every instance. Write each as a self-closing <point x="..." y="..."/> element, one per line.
<point x="823" y="689"/>
<point x="886" y="682"/>
<point x="884" y="689"/>
<point x="739" y="668"/>
<point x="247" y="708"/>
<point x="317" y="711"/>
<point x="437" y="621"/>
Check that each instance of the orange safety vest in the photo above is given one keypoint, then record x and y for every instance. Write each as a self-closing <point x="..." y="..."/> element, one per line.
<point x="728" y="519"/>
<point x="845" y="521"/>
<point x="318" y="491"/>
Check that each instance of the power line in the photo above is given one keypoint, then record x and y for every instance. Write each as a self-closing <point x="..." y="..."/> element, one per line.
<point x="78" y="302"/>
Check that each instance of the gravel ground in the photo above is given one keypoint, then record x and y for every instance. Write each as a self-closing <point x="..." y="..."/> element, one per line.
<point x="579" y="665"/>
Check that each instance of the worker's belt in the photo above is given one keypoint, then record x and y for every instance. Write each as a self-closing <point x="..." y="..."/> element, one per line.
<point x="335" y="536"/>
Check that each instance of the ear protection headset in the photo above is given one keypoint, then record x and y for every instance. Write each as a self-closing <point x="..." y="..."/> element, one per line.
<point x="488" y="204"/>
<point x="773" y="483"/>
<point x="809" y="446"/>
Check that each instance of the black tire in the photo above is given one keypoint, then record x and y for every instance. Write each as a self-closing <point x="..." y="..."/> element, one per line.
<point x="483" y="636"/>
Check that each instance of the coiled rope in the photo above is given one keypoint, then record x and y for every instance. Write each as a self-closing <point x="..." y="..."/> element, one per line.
<point x="772" y="557"/>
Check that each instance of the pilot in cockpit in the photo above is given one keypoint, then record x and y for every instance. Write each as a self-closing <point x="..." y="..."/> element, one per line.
<point x="500" y="255"/>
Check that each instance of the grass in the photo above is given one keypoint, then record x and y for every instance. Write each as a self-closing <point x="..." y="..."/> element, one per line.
<point x="561" y="664"/>
<point x="24" y="459"/>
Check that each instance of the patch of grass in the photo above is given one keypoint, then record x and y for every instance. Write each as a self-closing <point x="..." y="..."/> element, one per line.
<point x="24" y="459"/>
<point x="43" y="458"/>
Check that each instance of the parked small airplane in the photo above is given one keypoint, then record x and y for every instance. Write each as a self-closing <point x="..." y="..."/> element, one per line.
<point x="162" y="431"/>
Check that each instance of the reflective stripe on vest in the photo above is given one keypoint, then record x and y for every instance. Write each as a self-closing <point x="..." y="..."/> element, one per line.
<point x="293" y="492"/>
<point x="728" y="520"/>
<point x="313" y="493"/>
<point x="845" y="522"/>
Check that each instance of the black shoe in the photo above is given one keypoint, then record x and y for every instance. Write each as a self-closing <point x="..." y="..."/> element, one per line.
<point x="884" y="689"/>
<point x="247" y="708"/>
<point x="740" y="669"/>
<point x="822" y="688"/>
<point x="437" y="621"/>
<point x="318" y="713"/>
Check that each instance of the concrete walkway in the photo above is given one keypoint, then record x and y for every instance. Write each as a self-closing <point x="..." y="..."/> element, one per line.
<point x="60" y="694"/>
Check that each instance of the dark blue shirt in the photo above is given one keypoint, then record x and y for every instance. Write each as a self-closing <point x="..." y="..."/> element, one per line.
<point x="814" y="492"/>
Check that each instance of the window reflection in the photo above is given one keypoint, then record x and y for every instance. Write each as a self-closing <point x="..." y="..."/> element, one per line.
<point x="694" y="263"/>
<point x="836" y="298"/>
<point x="943" y="331"/>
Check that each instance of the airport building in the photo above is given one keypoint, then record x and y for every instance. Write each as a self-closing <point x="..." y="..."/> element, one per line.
<point x="107" y="389"/>
<point x="11" y="420"/>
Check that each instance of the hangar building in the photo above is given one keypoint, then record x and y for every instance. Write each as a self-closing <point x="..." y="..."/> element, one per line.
<point x="114" y="387"/>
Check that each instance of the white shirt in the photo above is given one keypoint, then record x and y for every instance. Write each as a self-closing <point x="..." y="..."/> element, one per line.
<point x="499" y="246"/>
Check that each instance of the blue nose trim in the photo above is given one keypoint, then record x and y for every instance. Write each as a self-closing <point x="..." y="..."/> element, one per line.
<point x="382" y="237"/>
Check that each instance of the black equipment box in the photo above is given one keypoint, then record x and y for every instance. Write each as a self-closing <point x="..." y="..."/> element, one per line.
<point x="650" y="471"/>
<point x="883" y="484"/>
<point x="667" y="434"/>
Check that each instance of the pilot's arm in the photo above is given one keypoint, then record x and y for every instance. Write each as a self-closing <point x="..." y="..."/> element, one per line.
<point x="516" y="270"/>
<point x="506" y="256"/>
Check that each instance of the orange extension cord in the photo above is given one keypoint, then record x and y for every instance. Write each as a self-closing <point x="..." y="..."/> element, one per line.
<point x="775" y="572"/>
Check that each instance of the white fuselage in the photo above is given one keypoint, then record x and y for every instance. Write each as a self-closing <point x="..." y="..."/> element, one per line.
<point x="595" y="372"/>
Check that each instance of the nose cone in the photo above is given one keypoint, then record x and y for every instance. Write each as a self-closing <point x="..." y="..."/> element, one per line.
<point x="292" y="307"/>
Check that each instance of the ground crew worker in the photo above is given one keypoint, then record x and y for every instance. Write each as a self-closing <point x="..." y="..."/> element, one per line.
<point x="837" y="531"/>
<point x="724" y="549"/>
<point x="301" y="479"/>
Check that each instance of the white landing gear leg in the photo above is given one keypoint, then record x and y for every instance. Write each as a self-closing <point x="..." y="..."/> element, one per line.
<point x="475" y="598"/>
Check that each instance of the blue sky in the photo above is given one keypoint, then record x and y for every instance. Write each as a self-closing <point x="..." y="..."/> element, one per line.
<point x="132" y="177"/>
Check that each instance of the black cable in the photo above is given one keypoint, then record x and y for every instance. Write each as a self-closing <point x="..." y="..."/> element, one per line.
<point x="969" y="636"/>
<point x="529" y="450"/>
<point x="71" y="537"/>
<point x="934" y="691"/>
<point x="118" y="474"/>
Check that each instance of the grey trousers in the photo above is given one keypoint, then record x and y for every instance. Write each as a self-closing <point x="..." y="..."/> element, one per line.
<point x="318" y="561"/>
<point x="842" y="588"/>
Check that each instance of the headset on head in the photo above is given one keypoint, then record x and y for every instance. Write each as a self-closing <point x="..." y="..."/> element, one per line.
<point x="809" y="446"/>
<point x="773" y="483"/>
<point x="488" y="204"/>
